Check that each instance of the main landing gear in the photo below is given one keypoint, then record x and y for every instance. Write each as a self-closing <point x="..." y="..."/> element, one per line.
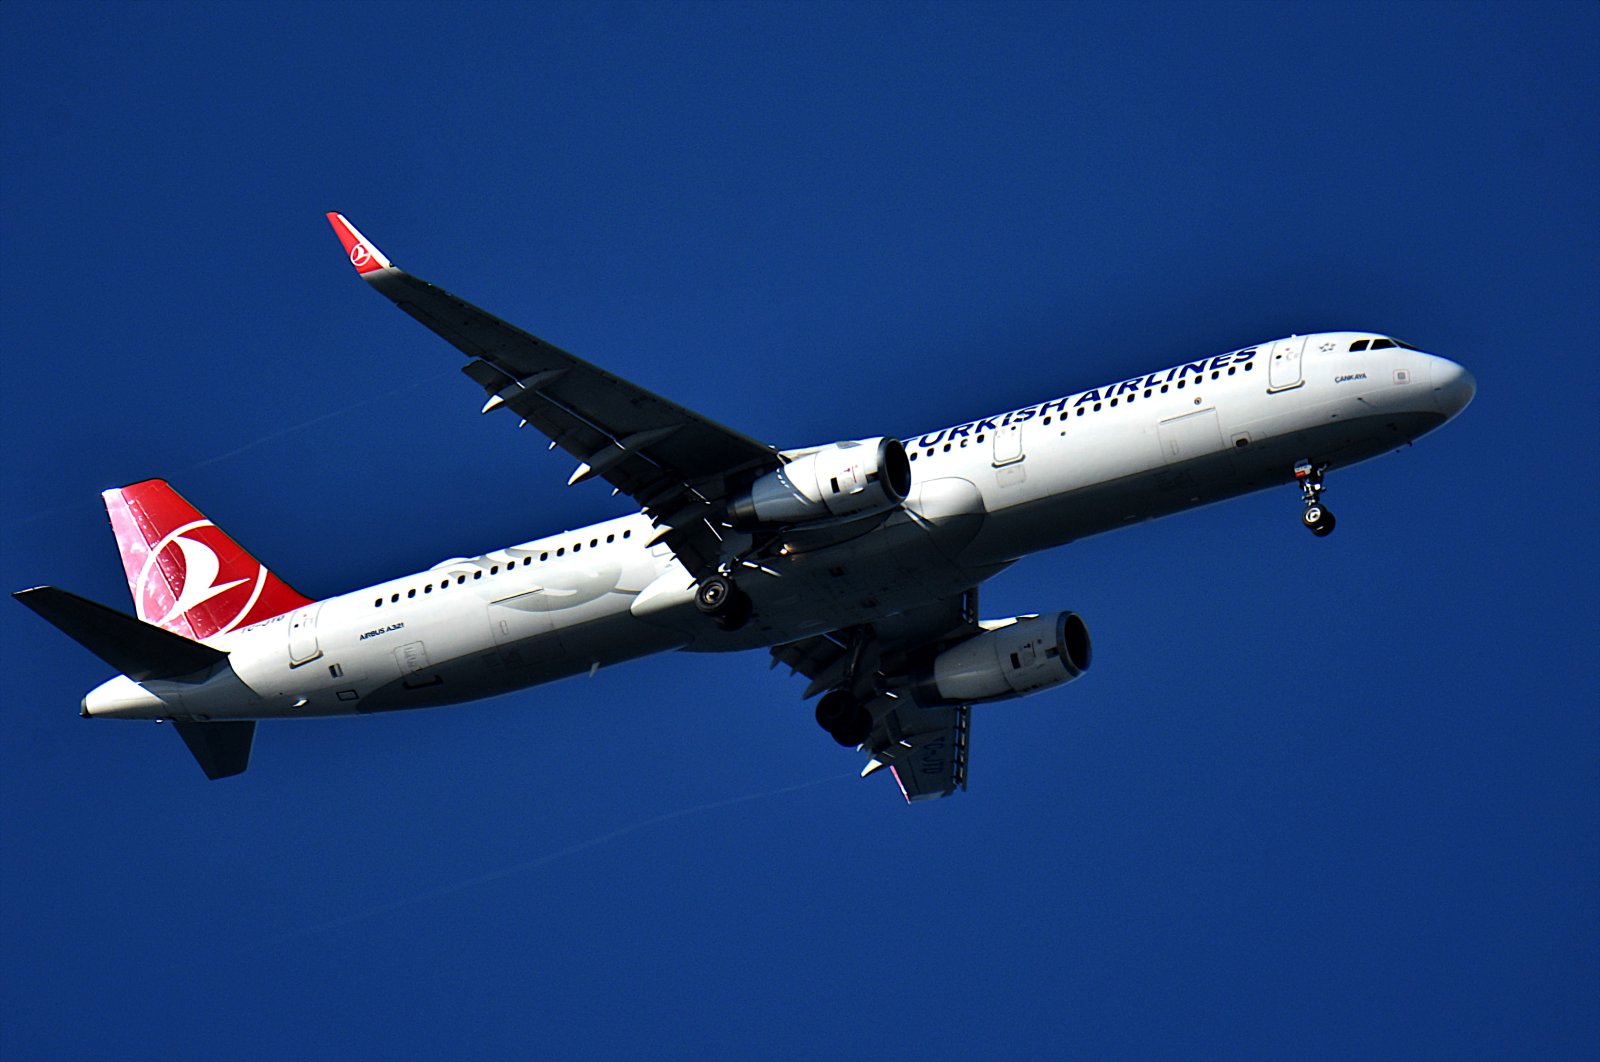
<point x="842" y="716"/>
<point x="1317" y="517"/>
<point x="839" y="712"/>
<point x="719" y="598"/>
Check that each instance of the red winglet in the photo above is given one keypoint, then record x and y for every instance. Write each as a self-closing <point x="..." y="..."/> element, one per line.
<point x="365" y="257"/>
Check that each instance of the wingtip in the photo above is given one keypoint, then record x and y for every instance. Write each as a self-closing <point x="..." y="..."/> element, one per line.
<point x="363" y="255"/>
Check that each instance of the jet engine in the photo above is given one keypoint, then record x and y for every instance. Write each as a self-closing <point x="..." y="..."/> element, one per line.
<point x="841" y="480"/>
<point x="1010" y="658"/>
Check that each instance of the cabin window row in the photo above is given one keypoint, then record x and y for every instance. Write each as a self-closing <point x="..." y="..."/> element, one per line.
<point x="1379" y="344"/>
<point x="495" y="569"/>
<point x="1216" y="374"/>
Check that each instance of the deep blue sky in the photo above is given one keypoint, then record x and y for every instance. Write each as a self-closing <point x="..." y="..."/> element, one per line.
<point x="1317" y="799"/>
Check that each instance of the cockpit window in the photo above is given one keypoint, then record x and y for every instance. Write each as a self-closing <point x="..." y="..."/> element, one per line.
<point x="1360" y="344"/>
<point x="1382" y="344"/>
<point x="1408" y="346"/>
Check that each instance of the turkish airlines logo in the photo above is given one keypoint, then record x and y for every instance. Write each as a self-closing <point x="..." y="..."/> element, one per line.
<point x="182" y="572"/>
<point x="359" y="255"/>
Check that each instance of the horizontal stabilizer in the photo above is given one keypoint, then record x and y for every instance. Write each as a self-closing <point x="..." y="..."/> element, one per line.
<point x="139" y="650"/>
<point x="222" y="749"/>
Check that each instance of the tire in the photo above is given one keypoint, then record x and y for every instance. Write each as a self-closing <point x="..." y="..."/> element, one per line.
<point x="1324" y="527"/>
<point x="854" y="729"/>
<point x="737" y="612"/>
<point x="714" y="596"/>
<point x="833" y="708"/>
<point x="1313" y="515"/>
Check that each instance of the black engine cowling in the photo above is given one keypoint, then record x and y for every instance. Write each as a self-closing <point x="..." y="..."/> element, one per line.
<point x="842" y="480"/>
<point x="1018" y="657"/>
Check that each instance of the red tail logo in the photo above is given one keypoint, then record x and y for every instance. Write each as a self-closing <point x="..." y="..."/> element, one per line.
<point x="185" y="573"/>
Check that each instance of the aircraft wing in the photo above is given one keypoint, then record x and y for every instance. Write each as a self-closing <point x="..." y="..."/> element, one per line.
<point x="679" y="466"/>
<point x="924" y="748"/>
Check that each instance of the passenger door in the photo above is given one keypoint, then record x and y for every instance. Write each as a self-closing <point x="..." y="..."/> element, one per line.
<point x="1283" y="367"/>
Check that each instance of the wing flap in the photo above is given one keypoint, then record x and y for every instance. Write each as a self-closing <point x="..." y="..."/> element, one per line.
<point x="924" y="748"/>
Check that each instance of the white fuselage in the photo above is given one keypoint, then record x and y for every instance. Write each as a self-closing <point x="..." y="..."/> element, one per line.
<point x="984" y="494"/>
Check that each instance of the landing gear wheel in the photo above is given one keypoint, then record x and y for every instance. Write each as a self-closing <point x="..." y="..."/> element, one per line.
<point x="854" y="729"/>
<point x="841" y="716"/>
<point x="1318" y="519"/>
<point x="724" y="602"/>
<point x="714" y="595"/>
<point x="1315" y="516"/>
<point x="834" y="708"/>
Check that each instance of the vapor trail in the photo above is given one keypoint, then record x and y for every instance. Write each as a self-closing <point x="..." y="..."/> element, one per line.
<point x="551" y="857"/>
<point x="291" y="429"/>
<point x="87" y="503"/>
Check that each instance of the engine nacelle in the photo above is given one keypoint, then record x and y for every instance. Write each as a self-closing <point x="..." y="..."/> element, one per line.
<point x="844" y="479"/>
<point x="1011" y="659"/>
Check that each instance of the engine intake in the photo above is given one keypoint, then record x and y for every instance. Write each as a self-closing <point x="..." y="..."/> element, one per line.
<point x="1013" y="659"/>
<point x="841" y="480"/>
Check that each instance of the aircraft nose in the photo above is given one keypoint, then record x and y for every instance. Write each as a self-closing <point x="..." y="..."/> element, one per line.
<point x="1453" y="386"/>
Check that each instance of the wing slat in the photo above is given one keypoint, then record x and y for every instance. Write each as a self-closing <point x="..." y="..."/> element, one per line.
<point x="667" y="457"/>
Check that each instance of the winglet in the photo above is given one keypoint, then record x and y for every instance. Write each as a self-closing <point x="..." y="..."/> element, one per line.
<point x="363" y="255"/>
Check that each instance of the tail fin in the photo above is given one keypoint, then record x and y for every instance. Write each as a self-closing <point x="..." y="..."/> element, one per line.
<point x="185" y="573"/>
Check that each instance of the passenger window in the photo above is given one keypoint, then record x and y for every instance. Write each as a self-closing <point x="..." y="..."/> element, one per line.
<point x="1080" y="411"/>
<point x="611" y="538"/>
<point x="1360" y="344"/>
<point x="561" y="552"/>
<point x="412" y="592"/>
<point x="478" y="574"/>
<point x="460" y="579"/>
<point x="393" y="598"/>
<point x="593" y="542"/>
<point x="627" y="534"/>
<point x="1382" y="344"/>
<point x="1249" y="365"/>
<point x="1163" y="388"/>
<point x="1097" y="407"/>
<point x="1232" y="369"/>
<point x="495" y="570"/>
<point x="428" y="589"/>
<point x="378" y="603"/>
<point x="1113" y="403"/>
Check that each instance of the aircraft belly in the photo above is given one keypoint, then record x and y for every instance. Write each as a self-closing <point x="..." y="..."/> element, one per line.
<point x="1159" y="490"/>
<point x="903" y="563"/>
<point x="604" y="637"/>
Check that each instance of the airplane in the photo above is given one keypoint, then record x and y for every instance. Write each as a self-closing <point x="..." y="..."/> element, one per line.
<point x="855" y="563"/>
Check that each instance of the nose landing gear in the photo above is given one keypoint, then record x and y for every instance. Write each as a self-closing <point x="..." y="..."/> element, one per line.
<point x="1317" y="517"/>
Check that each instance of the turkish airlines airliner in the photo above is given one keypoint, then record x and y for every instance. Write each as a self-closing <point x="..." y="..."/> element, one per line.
<point x="856" y="563"/>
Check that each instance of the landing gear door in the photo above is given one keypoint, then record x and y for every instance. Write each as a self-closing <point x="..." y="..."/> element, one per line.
<point x="1283" y="367"/>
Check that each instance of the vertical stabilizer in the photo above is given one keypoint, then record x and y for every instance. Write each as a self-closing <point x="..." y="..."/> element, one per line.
<point x="185" y="573"/>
